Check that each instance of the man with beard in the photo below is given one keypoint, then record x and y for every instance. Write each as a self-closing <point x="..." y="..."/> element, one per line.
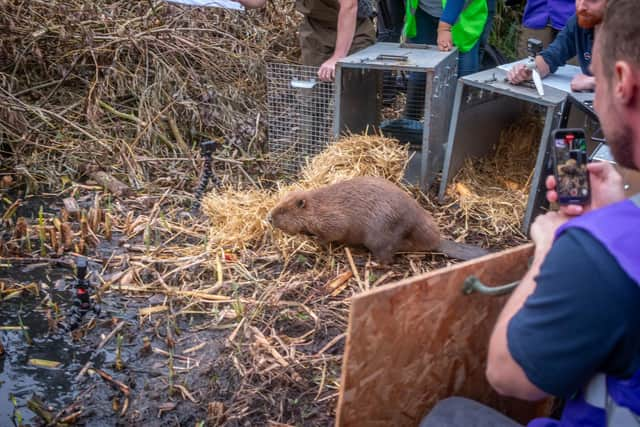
<point x="570" y="329"/>
<point x="576" y="38"/>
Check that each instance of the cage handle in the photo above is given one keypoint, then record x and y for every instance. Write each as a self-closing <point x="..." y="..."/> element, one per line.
<point x="473" y="284"/>
<point x="303" y="84"/>
<point x="414" y="46"/>
<point x="390" y="57"/>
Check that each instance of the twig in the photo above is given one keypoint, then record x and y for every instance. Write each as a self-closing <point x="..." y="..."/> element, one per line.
<point x="353" y="268"/>
<point x="330" y="344"/>
<point x="125" y="116"/>
<point x="98" y="348"/>
<point x="382" y="278"/>
<point x="122" y="387"/>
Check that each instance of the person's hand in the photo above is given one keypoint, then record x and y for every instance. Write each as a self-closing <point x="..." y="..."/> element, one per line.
<point x="605" y="184"/>
<point x="327" y="71"/>
<point x="582" y="82"/>
<point x="518" y="73"/>
<point x="445" y="40"/>
<point x="544" y="228"/>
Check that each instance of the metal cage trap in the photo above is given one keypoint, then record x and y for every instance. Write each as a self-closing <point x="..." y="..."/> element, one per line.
<point x="300" y="114"/>
<point x="484" y="105"/>
<point x="402" y="91"/>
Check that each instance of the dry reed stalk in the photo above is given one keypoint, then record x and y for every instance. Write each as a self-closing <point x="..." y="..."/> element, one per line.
<point x="113" y="82"/>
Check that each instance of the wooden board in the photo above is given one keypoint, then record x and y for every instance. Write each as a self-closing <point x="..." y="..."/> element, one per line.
<point x="415" y="342"/>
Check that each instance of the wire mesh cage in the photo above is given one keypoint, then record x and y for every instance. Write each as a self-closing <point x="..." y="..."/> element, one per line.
<point x="404" y="92"/>
<point x="300" y="114"/>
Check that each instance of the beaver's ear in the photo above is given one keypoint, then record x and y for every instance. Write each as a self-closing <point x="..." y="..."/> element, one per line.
<point x="300" y="203"/>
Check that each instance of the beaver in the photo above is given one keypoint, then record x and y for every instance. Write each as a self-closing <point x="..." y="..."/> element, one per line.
<point x="368" y="211"/>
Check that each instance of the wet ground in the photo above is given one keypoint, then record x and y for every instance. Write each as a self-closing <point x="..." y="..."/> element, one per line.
<point x="150" y="399"/>
<point x="17" y="377"/>
<point x="169" y="370"/>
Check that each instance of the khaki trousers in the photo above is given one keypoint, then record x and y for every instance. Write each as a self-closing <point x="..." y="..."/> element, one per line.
<point x="318" y="41"/>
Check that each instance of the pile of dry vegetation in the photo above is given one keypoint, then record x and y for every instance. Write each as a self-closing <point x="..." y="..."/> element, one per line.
<point x="132" y="86"/>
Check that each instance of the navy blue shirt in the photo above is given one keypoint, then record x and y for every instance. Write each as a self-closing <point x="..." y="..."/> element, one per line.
<point x="571" y="41"/>
<point x="582" y="318"/>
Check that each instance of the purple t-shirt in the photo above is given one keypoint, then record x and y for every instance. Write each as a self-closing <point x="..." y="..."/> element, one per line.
<point x="539" y="13"/>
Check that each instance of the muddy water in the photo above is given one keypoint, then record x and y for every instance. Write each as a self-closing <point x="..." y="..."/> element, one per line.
<point x="203" y="375"/>
<point x="17" y="377"/>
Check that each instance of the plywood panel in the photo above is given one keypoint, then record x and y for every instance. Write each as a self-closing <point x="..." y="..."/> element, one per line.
<point x="420" y="340"/>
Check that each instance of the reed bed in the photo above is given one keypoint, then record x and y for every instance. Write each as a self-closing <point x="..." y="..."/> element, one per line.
<point x="132" y="87"/>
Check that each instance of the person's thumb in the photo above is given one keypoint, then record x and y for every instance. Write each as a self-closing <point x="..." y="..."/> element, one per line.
<point x="599" y="169"/>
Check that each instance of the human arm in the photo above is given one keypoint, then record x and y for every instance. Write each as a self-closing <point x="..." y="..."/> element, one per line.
<point x="581" y="319"/>
<point x="563" y="47"/>
<point x="450" y="15"/>
<point x="555" y="55"/>
<point x="347" y="17"/>
<point x="252" y="4"/>
<point x="503" y="373"/>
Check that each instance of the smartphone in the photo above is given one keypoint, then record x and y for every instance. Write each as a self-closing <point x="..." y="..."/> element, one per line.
<point x="570" y="166"/>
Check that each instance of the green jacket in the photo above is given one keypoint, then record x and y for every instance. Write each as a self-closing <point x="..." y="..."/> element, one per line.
<point x="465" y="32"/>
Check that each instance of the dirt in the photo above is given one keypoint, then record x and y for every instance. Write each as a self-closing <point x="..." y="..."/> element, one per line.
<point x="206" y="387"/>
<point x="223" y="367"/>
<point x="145" y="373"/>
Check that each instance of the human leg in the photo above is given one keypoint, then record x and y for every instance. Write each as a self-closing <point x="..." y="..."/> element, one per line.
<point x="427" y="33"/>
<point x="390" y="20"/>
<point x="364" y="36"/>
<point x="469" y="62"/>
<point x="488" y="26"/>
<point x="316" y="42"/>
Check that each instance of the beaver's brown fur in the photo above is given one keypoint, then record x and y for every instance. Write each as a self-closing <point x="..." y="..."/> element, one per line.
<point x="367" y="211"/>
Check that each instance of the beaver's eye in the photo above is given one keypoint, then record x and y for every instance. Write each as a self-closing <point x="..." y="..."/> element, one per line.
<point x="300" y="203"/>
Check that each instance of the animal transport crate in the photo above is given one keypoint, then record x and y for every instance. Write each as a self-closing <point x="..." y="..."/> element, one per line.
<point x="300" y="114"/>
<point x="484" y="105"/>
<point x="404" y="92"/>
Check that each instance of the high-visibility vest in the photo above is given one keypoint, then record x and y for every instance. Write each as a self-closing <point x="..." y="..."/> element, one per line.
<point x="465" y="32"/>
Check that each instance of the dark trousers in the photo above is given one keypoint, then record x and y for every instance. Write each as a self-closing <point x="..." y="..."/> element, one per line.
<point x="484" y="39"/>
<point x="390" y="20"/>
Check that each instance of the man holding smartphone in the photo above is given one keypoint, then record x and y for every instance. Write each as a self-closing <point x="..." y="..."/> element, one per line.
<point x="571" y="329"/>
